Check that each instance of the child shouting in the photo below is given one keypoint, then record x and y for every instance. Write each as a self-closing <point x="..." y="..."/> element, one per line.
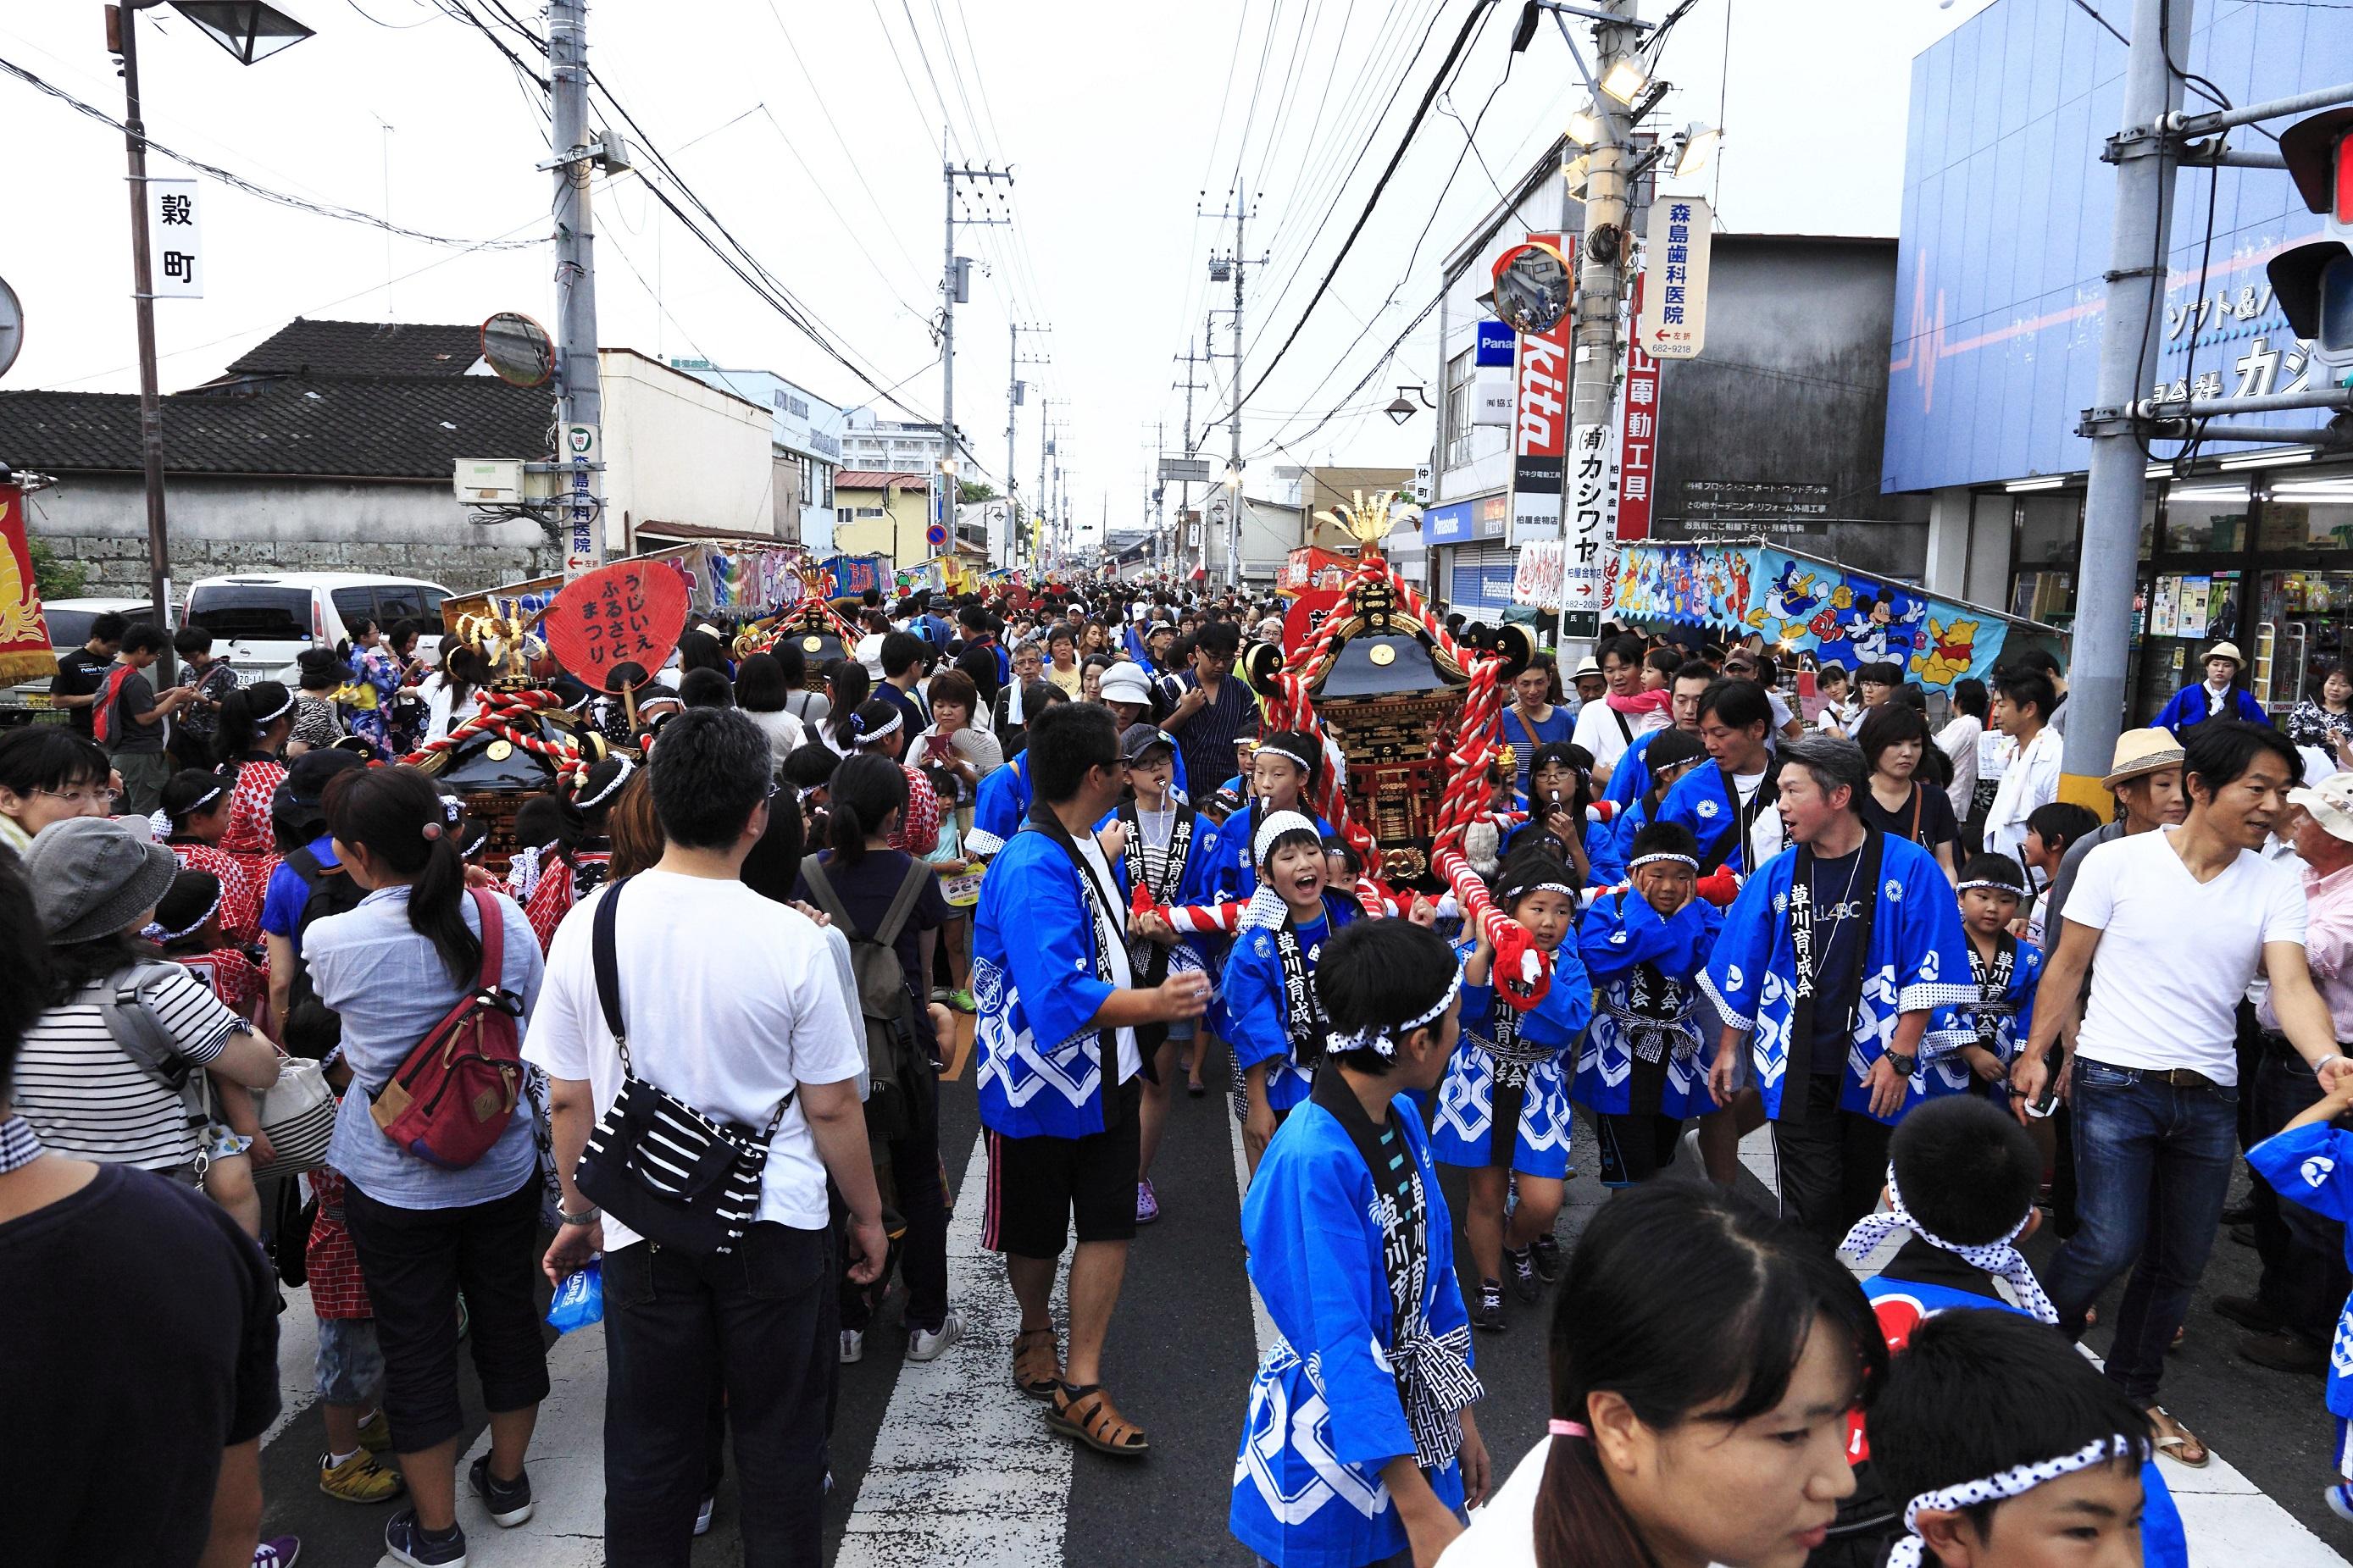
<point x="1360" y="1447"/>
<point x="1504" y="1108"/>
<point x="1272" y="1016"/>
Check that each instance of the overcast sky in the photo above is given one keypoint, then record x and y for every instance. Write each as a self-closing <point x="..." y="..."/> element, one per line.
<point x="813" y="131"/>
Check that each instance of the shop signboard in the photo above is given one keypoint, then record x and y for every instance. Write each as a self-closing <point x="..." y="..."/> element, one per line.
<point x="1539" y="426"/>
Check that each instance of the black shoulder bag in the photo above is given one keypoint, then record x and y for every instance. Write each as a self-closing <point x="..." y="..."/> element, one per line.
<point x="675" y="1176"/>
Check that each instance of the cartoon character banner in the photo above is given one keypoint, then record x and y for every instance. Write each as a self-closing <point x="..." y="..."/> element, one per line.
<point x="1797" y="604"/>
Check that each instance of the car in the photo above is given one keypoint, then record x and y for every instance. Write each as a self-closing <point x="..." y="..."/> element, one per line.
<point x="261" y="620"/>
<point x="68" y="621"/>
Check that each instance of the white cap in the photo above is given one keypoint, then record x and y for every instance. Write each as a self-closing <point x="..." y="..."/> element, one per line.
<point x="2330" y="801"/>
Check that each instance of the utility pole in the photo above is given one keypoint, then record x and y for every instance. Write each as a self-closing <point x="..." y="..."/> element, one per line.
<point x="142" y="298"/>
<point x="1220" y="270"/>
<point x="579" y="400"/>
<point x="1013" y="399"/>
<point x="1185" y="487"/>
<point x="955" y="288"/>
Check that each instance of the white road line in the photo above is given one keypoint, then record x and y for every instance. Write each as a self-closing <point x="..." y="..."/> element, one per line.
<point x="1262" y="1325"/>
<point x="965" y="1472"/>
<point x="2229" y="1521"/>
<point x="566" y="1467"/>
<point x="297" y="1362"/>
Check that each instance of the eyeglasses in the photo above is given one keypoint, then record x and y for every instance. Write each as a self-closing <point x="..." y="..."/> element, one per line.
<point x="89" y="795"/>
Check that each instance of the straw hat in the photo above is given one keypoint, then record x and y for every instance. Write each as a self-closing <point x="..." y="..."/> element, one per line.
<point x="2229" y="651"/>
<point x="2142" y="752"/>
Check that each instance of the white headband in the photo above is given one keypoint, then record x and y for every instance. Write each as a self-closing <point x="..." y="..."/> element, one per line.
<point x="1276" y="825"/>
<point x="612" y="785"/>
<point x="1513" y="895"/>
<point x="1381" y="1039"/>
<point x="867" y="736"/>
<point x="2013" y="1482"/>
<point x="154" y="931"/>
<point x="1638" y="861"/>
<point x="1995" y="1257"/>
<point x="275" y="714"/>
<point x="2012" y="889"/>
<point x="1287" y="755"/>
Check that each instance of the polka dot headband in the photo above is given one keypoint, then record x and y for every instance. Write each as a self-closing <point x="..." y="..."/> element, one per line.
<point x="154" y="931"/>
<point x="1661" y="858"/>
<point x="1381" y="1039"/>
<point x="612" y="785"/>
<point x="1994" y="1257"/>
<point x="1910" y="1552"/>
<point x="1287" y="755"/>
<point x="867" y="737"/>
<point x="1991" y="885"/>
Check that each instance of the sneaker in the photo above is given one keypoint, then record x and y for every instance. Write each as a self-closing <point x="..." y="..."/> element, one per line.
<point x="277" y="1551"/>
<point x="2247" y="1312"/>
<point x="375" y="1433"/>
<point x="2339" y="1498"/>
<point x="1548" y="1251"/>
<point x="405" y="1542"/>
<point x="358" y="1478"/>
<point x="853" y="1346"/>
<point x="509" y="1501"/>
<point x="703" y="1514"/>
<point x="1523" y="1265"/>
<point x="1489" y="1313"/>
<point x="962" y="1002"/>
<point x="1147" y="1203"/>
<point x="929" y="1344"/>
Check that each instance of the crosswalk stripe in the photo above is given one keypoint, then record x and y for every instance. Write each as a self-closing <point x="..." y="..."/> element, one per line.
<point x="964" y="1470"/>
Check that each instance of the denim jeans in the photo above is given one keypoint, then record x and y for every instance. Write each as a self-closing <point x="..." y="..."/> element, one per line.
<point x="2153" y="1167"/>
<point x="760" y="1323"/>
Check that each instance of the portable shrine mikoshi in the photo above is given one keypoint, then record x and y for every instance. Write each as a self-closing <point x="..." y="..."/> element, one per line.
<point x="813" y="624"/>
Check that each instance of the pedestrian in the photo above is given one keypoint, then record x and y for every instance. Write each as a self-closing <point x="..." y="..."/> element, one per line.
<point x="1663" y="764"/>
<point x="2022" y="700"/>
<point x="212" y="680"/>
<point x="2309" y="1164"/>
<point x="1631" y="780"/>
<point x="1062" y="669"/>
<point x="1281" y="771"/>
<point x="1833" y="964"/>
<point x="1171" y="855"/>
<point x="2325" y="723"/>
<point x="2005" y="969"/>
<point x="1704" y="1360"/>
<point x="1958" y="741"/>
<point x="1962" y="1180"/>
<point x="1729" y="807"/>
<point x="2179" y="921"/>
<point x="2217" y="697"/>
<point x="1501" y="1110"/>
<point x="307" y="884"/>
<point x="811" y="708"/>
<point x="846" y="688"/>
<point x="49" y="774"/>
<point x="954" y="743"/>
<point x="1349" y="1244"/>
<point x="255" y="722"/>
<point x="1606" y="728"/>
<point x="2292" y="1314"/>
<point x="1532" y="721"/>
<point x="158" y="1287"/>
<point x="1642" y="1070"/>
<point x="1011" y="708"/>
<point x="1212" y="709"/>
<point x="390" y="969"/>
<point x="1058" y="1068"/>
<point x="905" y="662"/>
<point x="2052" y="830"/>
<point x="196" y="811"/>
<point x="83" y="670"/>
<point x="133" y="723"/>
<point x="1894" y="740"/>
<point x="765" y="697"/>
<point x="318" y="713"/>
<point x="1746" y="665"/>
<point x="1876" y="681"/>
<point x="2000" y="1447"/>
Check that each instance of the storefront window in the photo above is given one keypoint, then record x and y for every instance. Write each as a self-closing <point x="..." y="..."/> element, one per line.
<point x="2308" y="510"/>
<point x="2206" y="517"/>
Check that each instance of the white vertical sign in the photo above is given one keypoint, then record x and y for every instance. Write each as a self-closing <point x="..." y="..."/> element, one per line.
<point x="1674" y="294"/>
<point x="1591" y="487"/>
<point x="175" y="271"/>
<point x="580" y="505"/>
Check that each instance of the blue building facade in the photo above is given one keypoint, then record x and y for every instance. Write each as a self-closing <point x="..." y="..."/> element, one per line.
<point x="2000" y="306"/>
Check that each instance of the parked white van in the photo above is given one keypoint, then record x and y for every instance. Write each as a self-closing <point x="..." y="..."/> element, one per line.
<point x="261" y="620"/>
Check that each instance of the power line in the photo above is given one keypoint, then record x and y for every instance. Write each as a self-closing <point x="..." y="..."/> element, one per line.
<point x="253" y="188"/>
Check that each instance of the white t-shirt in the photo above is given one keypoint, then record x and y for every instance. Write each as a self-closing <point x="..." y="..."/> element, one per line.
<point x="2175" y="957"/>
<point x="1598" y="730"/>
<point x="2030" y="781"/>
<point x="730" y="999"/>
<point x="1958" y="740"/>
<point x="1131" y="1056"/>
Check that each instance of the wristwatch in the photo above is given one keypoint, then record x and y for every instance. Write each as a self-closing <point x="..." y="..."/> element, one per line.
<point x="591" y="1217"/>
<point x="1903" y="1061"/>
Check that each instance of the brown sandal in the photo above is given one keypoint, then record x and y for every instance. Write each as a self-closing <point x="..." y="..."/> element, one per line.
<point x="1037" y="1365"/>
<point x="1085" y="1412"/>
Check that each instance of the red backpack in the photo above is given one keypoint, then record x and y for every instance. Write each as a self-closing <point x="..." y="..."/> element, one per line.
<point x="454" y="1092"/>
<point x="102" y="725"/>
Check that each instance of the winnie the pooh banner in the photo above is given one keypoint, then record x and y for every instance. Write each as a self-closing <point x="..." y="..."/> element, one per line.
<point x="24" y="635"/>
<point x="1799" y="605"/>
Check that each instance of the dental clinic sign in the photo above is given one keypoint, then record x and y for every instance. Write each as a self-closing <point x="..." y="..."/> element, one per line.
<point x="1673" y="323"/>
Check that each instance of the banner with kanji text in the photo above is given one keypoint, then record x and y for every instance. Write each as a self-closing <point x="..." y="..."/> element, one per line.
<point x="25" y="652"/>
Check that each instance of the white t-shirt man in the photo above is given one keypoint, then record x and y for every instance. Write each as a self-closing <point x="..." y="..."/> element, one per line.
<point x="1605" y="732"/>
<point x="2176" y="956"/>
<point x="2030" y="781"/>
<point x="732" y="1001"/>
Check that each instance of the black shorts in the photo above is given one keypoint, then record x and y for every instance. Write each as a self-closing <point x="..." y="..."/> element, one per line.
<point x="1636" y="1148"/>
<point x="1036" y="1184"/>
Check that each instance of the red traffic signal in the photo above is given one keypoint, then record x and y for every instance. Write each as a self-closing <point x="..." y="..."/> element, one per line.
<point x="2314" y="281"/>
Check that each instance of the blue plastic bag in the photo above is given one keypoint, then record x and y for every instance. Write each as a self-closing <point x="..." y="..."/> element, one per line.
<point x="580" y="1300"/>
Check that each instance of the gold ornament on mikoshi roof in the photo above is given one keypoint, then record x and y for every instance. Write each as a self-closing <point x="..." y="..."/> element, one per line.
<point x="1369" y="522"/>
<point x="507" y="644"/>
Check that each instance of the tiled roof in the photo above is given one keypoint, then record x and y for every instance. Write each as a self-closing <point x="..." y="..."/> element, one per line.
<point x="875" y="480"/>
<point x="349" y="349"/>
<point x="379" y="429"/>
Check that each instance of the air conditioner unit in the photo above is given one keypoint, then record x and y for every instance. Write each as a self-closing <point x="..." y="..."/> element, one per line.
<point x="488" y="481"/>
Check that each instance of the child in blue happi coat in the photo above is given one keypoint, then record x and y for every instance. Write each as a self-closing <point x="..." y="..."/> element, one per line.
<point x="2005" y="969"/>
<point x="1360" y="1447"/>
<point x="1562" y="818"/>
<point x="2310" y="1162"/>
<point x="1504" y="1107"/>
<point x="1962" y="1180"/>
<point x="1669" y="760"/>
<point x="1643" y="1069"/>
<point x="1281" y="771"/>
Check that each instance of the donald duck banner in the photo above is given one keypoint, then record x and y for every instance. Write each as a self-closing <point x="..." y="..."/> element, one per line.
<point x="1797" y="604"/>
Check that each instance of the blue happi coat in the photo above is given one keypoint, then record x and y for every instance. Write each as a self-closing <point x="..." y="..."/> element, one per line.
<point x="1601" y="854"/>
<point x="1000" y="807"/>
<point x="2013" y="1017"/>
<point x="1631" y="779"/>
<point x="1325" y="1411"/>
<point x="1620" y="934"/>
<point x="2314" y="1166"/>
<point x="1254" y="1012"/>
<point x="1705" y="801"/>
<point x="1462" y="1132"/>
<point x="1238" y="871"/>
<point x="1037" y="979"/>
<point x="1917" y="961"/>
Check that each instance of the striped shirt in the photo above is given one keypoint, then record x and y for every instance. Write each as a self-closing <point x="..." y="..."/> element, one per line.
<point x="85" y="1098"/>
<point x="1207" y="738"/>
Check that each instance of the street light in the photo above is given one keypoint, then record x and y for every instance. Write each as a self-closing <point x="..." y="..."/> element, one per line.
<point x="1585" y="126"/>
<point x="250" y="31"/>
<point x="1403" y="408"/>
<point x="1625" y="80"/>
<point x="1694" y="148"/>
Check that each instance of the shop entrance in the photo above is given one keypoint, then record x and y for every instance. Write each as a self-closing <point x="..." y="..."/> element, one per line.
<point x="2299" y="633"/>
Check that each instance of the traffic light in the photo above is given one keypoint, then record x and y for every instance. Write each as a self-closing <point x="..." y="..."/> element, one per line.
<point x="2314" y="282"/>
